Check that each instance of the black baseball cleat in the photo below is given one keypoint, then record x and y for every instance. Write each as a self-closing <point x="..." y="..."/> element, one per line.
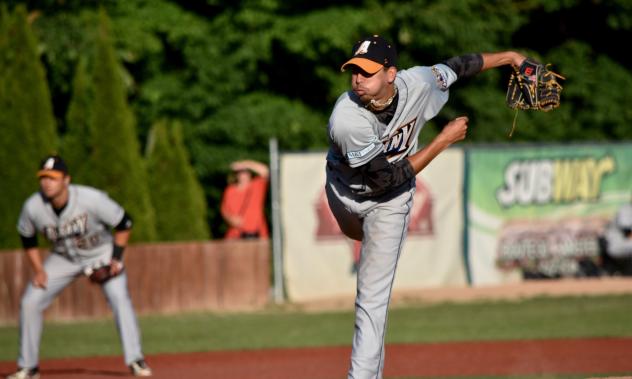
<point x="140" y="368"/>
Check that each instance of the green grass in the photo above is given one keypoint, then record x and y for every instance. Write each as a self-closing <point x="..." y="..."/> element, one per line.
<point x="606" y="316"/>
<point x="570" y="317"/>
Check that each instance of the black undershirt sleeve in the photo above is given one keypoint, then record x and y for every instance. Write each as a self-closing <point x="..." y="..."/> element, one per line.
<point x="465" y="66"/>
<point x="29" y="242"/>
<point x="383" y="176"/>
<point x="125" y="224"/>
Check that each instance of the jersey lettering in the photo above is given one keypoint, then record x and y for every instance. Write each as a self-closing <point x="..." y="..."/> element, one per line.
<point x="400" y="141"/>
<point x="87" y="242"/>
<point x="74" y="227"/>
<point x="361" y="153"/>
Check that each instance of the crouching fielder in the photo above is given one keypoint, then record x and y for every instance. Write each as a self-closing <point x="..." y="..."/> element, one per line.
<point x="78" y="222"/>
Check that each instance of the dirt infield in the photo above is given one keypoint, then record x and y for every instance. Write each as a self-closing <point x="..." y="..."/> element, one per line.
<point x="590" y="357"/>
<point x="559" y="356"/>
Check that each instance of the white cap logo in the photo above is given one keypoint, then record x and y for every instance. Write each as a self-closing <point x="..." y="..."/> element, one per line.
<point x="364" y="48"/>
<point x="50" y="163"/>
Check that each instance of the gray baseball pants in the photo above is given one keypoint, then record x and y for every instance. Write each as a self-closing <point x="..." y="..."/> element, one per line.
<point x="381" y="224"/>
<point x="61" y="272"/>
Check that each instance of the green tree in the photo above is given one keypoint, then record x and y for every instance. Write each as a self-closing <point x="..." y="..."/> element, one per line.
<point x="249" y="122"/>
<point x="188" y="60"/>
<point x="75" y="146"/>
<point x="26" y="118"/>
<point x="115" y="164"/>
<point x="191" y="61"/>
<point x="177" y="195"/>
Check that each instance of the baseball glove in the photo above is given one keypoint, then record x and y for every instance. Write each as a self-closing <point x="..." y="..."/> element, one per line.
<point x="99" y="274"/>
<point x="534" y="86"/>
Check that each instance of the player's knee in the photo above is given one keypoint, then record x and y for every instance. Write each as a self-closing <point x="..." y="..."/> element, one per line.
<point x="32" y="302"/>
<point x="118" y="299"/>
<point x="119" y="303"/>
<point x="353" y="231"/>
<point x="355" y="236"/>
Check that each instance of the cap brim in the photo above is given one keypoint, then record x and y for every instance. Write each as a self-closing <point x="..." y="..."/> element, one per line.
<point x="50" y="173"/>
<point x="366" y="65"/>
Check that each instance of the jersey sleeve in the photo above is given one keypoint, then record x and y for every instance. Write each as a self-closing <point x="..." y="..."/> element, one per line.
<point x="26" y="227"/>
<point x="444" y="76"/>
<point x="435" y="81"/>
<point x="355" y="137"/>
<point x="108" y="211"/>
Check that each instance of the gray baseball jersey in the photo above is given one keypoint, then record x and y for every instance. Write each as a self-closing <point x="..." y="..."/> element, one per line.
<point x="82" y="231"/>
<point x="81" y="237"/>
<point x="356" y="136"/>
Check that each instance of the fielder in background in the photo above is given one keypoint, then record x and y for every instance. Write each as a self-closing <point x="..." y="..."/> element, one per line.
<point x="77" y="220"/>
<point x="617" y="240"/>
<point x="372" y="163"/>
<point x="244" y="199"/>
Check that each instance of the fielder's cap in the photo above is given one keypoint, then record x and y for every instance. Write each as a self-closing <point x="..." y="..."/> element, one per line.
<point x="371" y="54"/>
<point x="53" y="166"/>
<point x="624" y="217"/>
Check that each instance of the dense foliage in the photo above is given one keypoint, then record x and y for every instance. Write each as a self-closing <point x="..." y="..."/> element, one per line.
<point x="237" y="72"/>
<point x="26" y="118"/>
<point x="75" y="147"/>
<point x="176" y="193"/>
<point x="115" y="164"/>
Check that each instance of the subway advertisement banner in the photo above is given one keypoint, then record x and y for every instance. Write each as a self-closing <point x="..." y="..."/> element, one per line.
<point x="537" y="212"/>
<point x="319" y="261"/>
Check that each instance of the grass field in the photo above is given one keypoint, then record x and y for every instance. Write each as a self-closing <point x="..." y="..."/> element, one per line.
<point x="565" y="317"/>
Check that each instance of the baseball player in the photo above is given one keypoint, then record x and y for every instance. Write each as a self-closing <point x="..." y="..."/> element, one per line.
<point x="77" y="220"/>
<point x="616" y="255"/>
<point x="372" y="163"/>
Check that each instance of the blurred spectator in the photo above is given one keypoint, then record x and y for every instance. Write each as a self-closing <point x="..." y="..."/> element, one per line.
<point x="243" y="201"/>
<point x="617" y="243"/>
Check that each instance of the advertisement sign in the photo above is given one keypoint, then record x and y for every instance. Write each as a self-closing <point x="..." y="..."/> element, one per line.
<point x="538" y="212"/>
<point x="320" y="262"/>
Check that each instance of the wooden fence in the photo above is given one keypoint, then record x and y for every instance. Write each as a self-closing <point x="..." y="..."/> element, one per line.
<point x="162" y="278"/>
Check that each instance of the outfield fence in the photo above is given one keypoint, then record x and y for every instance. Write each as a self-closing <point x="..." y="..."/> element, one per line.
<point x="162" y="278"/>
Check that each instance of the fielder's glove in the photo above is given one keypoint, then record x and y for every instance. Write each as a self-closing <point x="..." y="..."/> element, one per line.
<point x="534" y="86"/>
<point x="99" y="273"/>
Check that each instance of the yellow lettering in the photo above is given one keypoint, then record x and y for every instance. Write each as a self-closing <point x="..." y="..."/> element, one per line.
<point x="604" y="166"/>
<point x="584" y="168"/>
<point x="580" y="179"/>
<point x="563" y="187"/>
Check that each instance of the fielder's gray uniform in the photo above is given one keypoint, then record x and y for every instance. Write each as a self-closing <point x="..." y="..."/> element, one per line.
<point x="81" y="237"/>
<point x="619" y="244"/>
<point x="356" y="136"/>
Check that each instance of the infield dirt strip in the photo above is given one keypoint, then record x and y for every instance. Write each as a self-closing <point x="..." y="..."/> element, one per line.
<point x="558" y="356"/>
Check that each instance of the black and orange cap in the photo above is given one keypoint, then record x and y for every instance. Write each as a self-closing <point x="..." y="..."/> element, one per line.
<point x="52" y="166"/>
<point x="372" y="54"/>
